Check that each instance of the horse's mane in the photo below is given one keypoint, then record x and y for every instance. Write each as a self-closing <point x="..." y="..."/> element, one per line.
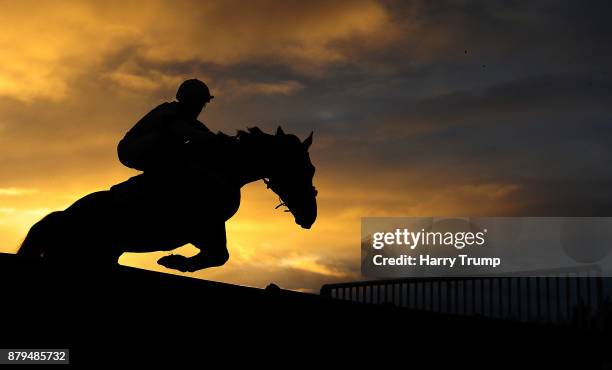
<point x="243" y="138"/>
<point x="255" y="136"/>
<point x="250" y="133"/>
<point x="256" y="133"/>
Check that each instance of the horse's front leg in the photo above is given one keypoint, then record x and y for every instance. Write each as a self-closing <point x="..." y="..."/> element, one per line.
<point x="212" y="244"/>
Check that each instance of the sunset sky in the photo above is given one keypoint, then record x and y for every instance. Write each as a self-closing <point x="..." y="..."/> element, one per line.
<point x="419" y="108"/>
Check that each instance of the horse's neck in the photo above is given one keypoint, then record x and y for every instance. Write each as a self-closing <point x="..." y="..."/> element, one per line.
<point x="253" y="159"/>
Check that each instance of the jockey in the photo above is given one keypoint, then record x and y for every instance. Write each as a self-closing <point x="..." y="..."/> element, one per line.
<point x="173" y="149"/>
<point x="158" y="141"/>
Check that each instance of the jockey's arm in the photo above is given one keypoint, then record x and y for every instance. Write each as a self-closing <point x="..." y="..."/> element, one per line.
<point x="190" y="132"/>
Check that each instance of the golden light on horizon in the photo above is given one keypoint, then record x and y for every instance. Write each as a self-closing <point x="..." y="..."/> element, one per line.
<point x="76" y="75"/>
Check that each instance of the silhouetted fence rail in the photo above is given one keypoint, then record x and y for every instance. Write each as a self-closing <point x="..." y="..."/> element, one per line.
<point x="571" y="296"/>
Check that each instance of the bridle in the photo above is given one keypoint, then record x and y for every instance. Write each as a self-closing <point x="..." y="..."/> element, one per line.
<point x="277" y="188"/>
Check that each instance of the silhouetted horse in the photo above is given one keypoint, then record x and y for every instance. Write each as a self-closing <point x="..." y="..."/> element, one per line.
<point x="152" y="212"/>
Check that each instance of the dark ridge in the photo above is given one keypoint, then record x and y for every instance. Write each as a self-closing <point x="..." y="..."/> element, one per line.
<point x="142" y="316"/>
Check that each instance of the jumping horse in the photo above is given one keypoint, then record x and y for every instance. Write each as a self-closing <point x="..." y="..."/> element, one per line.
<point x="160" y="212"/>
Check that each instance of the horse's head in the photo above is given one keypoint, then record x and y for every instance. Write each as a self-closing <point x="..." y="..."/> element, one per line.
<point x="291" y="177"/>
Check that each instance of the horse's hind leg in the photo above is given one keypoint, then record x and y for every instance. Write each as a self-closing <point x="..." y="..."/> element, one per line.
<point x="42" y="235"/>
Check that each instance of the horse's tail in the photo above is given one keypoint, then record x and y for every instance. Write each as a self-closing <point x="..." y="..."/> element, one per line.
<point x="42" y="235"/>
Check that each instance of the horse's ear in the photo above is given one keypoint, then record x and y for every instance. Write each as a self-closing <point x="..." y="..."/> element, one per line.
<point x="308" y="141"/>
<point x="279" y="131"/>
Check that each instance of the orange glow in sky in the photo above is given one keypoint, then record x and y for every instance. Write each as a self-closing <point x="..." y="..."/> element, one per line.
<point x="75" y="76"/>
